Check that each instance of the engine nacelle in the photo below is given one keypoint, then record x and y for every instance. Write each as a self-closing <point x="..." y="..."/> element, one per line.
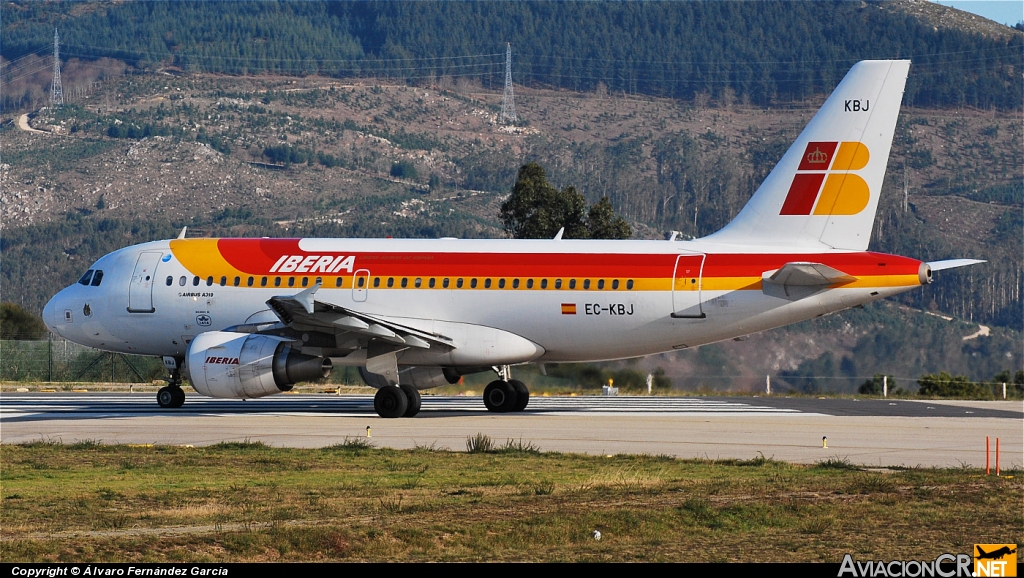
<point x="244" y="365"/>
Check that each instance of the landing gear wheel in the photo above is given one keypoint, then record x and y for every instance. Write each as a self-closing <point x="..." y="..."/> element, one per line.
<point x="170" y="396"/>
<point x="390" y="401"/>
<point x="500" y="396"/>
<point x="413" y="396"/>
<point x="522" y="394"/>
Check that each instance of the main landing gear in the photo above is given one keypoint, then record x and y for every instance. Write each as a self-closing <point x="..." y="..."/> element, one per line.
<point x="171" y="395"/>
<point x="506" y="394"/>
<point x="397" y="401"/>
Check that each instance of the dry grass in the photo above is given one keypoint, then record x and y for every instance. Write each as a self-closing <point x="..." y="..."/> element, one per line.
<point x="251" y="502"/>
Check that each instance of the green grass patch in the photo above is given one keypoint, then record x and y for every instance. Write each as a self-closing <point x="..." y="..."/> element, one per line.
<point x="246" y="501"/>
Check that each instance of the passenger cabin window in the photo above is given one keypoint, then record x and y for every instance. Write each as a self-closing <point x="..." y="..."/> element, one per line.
<point x="615" y="283"/>
<point x="223" y="281"/>
<point x="572" y="283"/>
<point x="376" y="282"/>
<point x="405" y="282"/>
<point x="291" y="281"/>
<point x="195" y="281"/>
<point x="263" y="281"/>
<point x="515" y="283"/>
<point x="181" y="281"/>
<point x="337" y="282"/>
<point x="305" y="281"/>
<point x="87" y="278"/>
<point x="472" y="283"/>
<point x="170" y="280"/>
<point x="444" y="283"/>
<point x="501" y="283"/>
<point x="277" y="281"/>
<point x="529" y="283"/>
<point x="586" y="283"/>
<point x="238" y="281"/>
<point x="629" y="284"/>
<point x="600" y="283"/>
<point x="487" y="283"/>
<point x="391" y="281"/>
<point x="209" y="281"/>
<point x="418" y="283"/>
<point x="319" y="281"/>
<point x="558" y="283"/>
<point x="249" y="282"/>
<point x="543" y="283"/>
<point x="432" y="282"/>
<point x="458" y="283"/>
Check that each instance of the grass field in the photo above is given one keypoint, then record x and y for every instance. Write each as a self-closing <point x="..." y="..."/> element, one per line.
<point x="251" y="502"/>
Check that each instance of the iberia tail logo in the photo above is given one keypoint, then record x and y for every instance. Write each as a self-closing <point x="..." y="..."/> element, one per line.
<point x="825" y="182"/>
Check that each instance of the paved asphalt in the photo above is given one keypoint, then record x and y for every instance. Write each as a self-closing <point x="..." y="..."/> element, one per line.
<point x="869" y="432"/>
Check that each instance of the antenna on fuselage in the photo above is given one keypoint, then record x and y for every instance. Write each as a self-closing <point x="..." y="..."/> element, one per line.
<point x="558" y="235"/>
<point x="181" y="235"/>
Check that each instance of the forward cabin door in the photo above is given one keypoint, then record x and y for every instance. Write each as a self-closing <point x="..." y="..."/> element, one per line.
<point x="687" y="280"/>
<point x="140" y="291"/>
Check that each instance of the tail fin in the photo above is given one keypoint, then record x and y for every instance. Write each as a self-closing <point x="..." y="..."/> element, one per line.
<point x="824" y="192"/>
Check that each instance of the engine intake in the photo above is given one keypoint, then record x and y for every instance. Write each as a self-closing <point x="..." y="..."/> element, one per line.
<point x="240" y="365"/>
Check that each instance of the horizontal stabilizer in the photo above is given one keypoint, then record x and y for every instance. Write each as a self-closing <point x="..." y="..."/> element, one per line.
<point x="806" y="275"/>
<point x="953" y="263"/>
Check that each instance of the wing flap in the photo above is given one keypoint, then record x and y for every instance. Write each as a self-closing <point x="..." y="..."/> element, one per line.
<point x="303" y="311"/>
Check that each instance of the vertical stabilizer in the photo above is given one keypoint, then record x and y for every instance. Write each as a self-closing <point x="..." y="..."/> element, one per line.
<point x="824" y="192"/>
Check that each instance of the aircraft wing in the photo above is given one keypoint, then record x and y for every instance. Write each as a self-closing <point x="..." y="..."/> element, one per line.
<point x="302" y="312"/>
<point x="806" y="275"/>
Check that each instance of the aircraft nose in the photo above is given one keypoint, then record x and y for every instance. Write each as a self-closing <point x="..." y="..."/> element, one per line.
<point x="50" y="314"/>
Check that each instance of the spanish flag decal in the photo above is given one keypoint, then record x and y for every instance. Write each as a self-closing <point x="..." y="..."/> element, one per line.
<point x="568" y="309"/>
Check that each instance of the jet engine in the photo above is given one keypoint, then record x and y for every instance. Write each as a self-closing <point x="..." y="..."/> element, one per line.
<point x="243" y="365"/>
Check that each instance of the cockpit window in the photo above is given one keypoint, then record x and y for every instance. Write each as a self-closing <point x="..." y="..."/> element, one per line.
<point x="86" y="278"/>
<point x="97" y="278"/>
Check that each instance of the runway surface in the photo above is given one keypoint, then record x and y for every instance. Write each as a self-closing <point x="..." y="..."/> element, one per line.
<point x="869" y="432"/>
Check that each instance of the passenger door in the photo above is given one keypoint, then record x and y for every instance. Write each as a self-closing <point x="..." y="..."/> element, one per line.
<point x="686" y="287"/>
<point x="140" y="291"/>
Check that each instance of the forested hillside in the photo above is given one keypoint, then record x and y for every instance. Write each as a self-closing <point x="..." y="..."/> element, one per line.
<point x="753" y="52"/>
<point x="170" y="130"/>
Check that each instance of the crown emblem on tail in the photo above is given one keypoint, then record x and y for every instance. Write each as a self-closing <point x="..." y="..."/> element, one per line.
<point x="817" y="157"/>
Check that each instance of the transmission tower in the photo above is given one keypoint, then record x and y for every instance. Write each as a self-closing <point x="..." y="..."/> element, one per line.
<point x="508" y="100"/>
<point x="56" y="90"/>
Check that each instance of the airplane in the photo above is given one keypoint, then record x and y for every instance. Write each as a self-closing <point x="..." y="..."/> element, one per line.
<point x="246" y="318"/>
<point x="995" y="554"/>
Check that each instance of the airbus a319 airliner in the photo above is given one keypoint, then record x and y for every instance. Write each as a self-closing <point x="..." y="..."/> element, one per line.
<point x="245" y="318"/>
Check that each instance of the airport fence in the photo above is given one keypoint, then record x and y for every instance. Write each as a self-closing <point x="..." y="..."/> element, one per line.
<point x="60" y="360"/>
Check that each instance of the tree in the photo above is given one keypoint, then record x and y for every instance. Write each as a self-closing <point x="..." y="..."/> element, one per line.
<point x="16" y="323"/>
<point x="404" y="170"/>
<point x="943" y="384"/>
<point x="537" y="210"/>
<point x="874" y="386"/>
<point x="603" y="223"/>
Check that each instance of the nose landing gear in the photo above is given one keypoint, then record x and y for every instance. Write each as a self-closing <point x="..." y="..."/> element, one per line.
<point x="171" y="395"/>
